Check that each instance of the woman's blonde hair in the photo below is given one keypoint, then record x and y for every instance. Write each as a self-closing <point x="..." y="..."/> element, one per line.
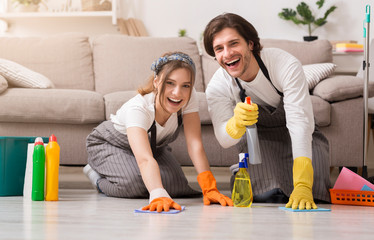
<point x="163" y="67"/>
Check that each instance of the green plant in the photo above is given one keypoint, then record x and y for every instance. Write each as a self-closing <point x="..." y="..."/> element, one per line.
<point x="303" y="15"/>
<point x="182" y="32"/>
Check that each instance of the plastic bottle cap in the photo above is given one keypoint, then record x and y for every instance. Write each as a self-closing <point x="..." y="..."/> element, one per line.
<point x="52" y="138"/>
<point x="39" y="141"/>
<point x="248" y="100"/>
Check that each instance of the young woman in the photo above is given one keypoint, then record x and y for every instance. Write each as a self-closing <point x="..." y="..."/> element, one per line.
<point x="128" y="156"/>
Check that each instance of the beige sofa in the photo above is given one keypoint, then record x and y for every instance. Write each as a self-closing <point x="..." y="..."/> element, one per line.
<point x="94" y="77"/>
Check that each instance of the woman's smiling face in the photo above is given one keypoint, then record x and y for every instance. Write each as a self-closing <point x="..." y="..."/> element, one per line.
<point x="176" y="92"/>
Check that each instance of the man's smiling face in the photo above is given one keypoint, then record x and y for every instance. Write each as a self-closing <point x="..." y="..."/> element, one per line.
<point x="233" y="53"/>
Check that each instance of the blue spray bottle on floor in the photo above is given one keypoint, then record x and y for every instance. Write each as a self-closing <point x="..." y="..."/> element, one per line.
<point x="242" y="191"/>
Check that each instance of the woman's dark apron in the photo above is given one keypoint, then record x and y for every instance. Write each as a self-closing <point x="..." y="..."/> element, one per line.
<point x="110" y="154"/>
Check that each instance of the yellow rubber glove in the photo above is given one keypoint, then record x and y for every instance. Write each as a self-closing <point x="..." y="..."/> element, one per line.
<point x="162" y="204"/>
<point x="244" y="115"/>
<point x="302" y="196"/>
<point x="211" y="194"/>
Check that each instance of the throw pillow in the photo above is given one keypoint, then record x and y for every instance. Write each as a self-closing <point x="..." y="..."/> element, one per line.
<point x="314" y="73"/>
<point x="20" y="76"/>
<point x="3" y="84"/>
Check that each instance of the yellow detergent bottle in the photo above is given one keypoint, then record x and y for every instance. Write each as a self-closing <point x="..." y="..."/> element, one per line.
<point x="52" y="166"/>
<point x="242" y="192"/>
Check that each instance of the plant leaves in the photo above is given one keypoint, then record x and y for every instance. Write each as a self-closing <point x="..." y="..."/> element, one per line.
<point x="320" y="21"/>
<point x="287" y="13"/>
<point x="303" y="15"/>
<point x="304" y="11"/>
<point x="320" y="3"/>
<point x="330" y="10"/>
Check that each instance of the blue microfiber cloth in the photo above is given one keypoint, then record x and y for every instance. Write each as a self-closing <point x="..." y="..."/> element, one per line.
<point x="171" y="211"/>
<point x="366" y="188"/>
<point x="305" y="210"/>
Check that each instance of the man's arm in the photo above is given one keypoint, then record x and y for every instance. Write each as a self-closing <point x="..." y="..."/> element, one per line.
<point x="221" y="105"/>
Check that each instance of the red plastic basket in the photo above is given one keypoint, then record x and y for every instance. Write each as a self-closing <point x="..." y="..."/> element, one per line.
<point x="350" y="197"/>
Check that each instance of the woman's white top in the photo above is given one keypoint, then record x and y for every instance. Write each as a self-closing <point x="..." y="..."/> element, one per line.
<point x="139" y="111"/>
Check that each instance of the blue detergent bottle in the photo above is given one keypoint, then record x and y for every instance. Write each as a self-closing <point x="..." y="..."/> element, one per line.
<point x="242" y="191"/>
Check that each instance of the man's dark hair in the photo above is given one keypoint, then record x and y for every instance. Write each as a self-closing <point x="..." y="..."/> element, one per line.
<point x="230" y="20"/>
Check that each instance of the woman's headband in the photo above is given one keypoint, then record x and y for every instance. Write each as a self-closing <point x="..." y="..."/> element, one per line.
<point x="157" y="65"/>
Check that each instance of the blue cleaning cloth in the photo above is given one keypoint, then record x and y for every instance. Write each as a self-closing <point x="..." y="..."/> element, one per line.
<point x="305" y="210"/>
<point x="171" y="211"/>
<point x="366" y="188"/>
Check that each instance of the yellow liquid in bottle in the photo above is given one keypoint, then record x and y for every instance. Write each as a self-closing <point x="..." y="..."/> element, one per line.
<point x="242" y="192"/>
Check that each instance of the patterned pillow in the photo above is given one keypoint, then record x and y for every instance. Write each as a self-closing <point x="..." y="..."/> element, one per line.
<point x="314" y="73"/>
<point x="3" y="84"/>
<point x="20" y="76"/>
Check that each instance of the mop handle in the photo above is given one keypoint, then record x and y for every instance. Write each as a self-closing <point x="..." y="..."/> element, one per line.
<point x="366" y="36"/>
<point x="366" y="65"/>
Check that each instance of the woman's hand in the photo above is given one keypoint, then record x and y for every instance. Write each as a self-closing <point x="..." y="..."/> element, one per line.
<point x="162" y="204"/>
<point x="211" y="194"/>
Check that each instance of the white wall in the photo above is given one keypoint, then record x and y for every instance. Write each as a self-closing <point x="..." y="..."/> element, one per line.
<point x="164" y="18"/>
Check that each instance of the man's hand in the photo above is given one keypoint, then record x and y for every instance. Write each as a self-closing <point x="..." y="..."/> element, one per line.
<point x="244" y="115"/>
<point x="302" y="196"/>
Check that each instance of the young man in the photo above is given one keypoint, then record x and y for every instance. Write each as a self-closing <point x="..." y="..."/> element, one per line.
<point x="274" y="80"/>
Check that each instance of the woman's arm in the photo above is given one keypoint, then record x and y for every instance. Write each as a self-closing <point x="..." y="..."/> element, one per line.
<point x="205" y="178"/>
<point x="140" y="146"/>
<point x="192" y="131"/>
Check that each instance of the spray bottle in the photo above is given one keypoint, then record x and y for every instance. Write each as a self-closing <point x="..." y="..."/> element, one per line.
<point x="253" y="142"/>
<point x="38" y="170"/>
<point x="52" y="165"/>
<point x="242" y="191"/>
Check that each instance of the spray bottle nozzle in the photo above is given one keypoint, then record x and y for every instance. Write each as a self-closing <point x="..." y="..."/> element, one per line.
<point x="248" y="100"/>
<point x="243" y="160"/>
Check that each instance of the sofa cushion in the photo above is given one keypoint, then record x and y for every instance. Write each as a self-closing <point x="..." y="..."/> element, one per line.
<point x="51" y="106"/>
<point x="341" y="87"/>
<point x="321" y="111"/>
<point x="203" y="109"/>
<point x="66" y="59"/>
<point x="318" y="51"/>
<point x="210" y="66"/>
<point x="20" y="76"/>
<point x="3" y="84"/>
<point x="123" y="63"/>
<point x="113" y="101"/>
<point x="314" y="73"/>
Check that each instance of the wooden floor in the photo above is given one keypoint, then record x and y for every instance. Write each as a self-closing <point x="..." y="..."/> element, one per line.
<point x="82" y="213"/>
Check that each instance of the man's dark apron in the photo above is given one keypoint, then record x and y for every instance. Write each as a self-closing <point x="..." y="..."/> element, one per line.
<point x="275" y="171"/>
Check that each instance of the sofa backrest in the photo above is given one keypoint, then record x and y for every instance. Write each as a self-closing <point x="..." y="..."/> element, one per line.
<point x="123" y="63"/>
<point x="66" y="59"/>
<point x="318" y="51"/>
